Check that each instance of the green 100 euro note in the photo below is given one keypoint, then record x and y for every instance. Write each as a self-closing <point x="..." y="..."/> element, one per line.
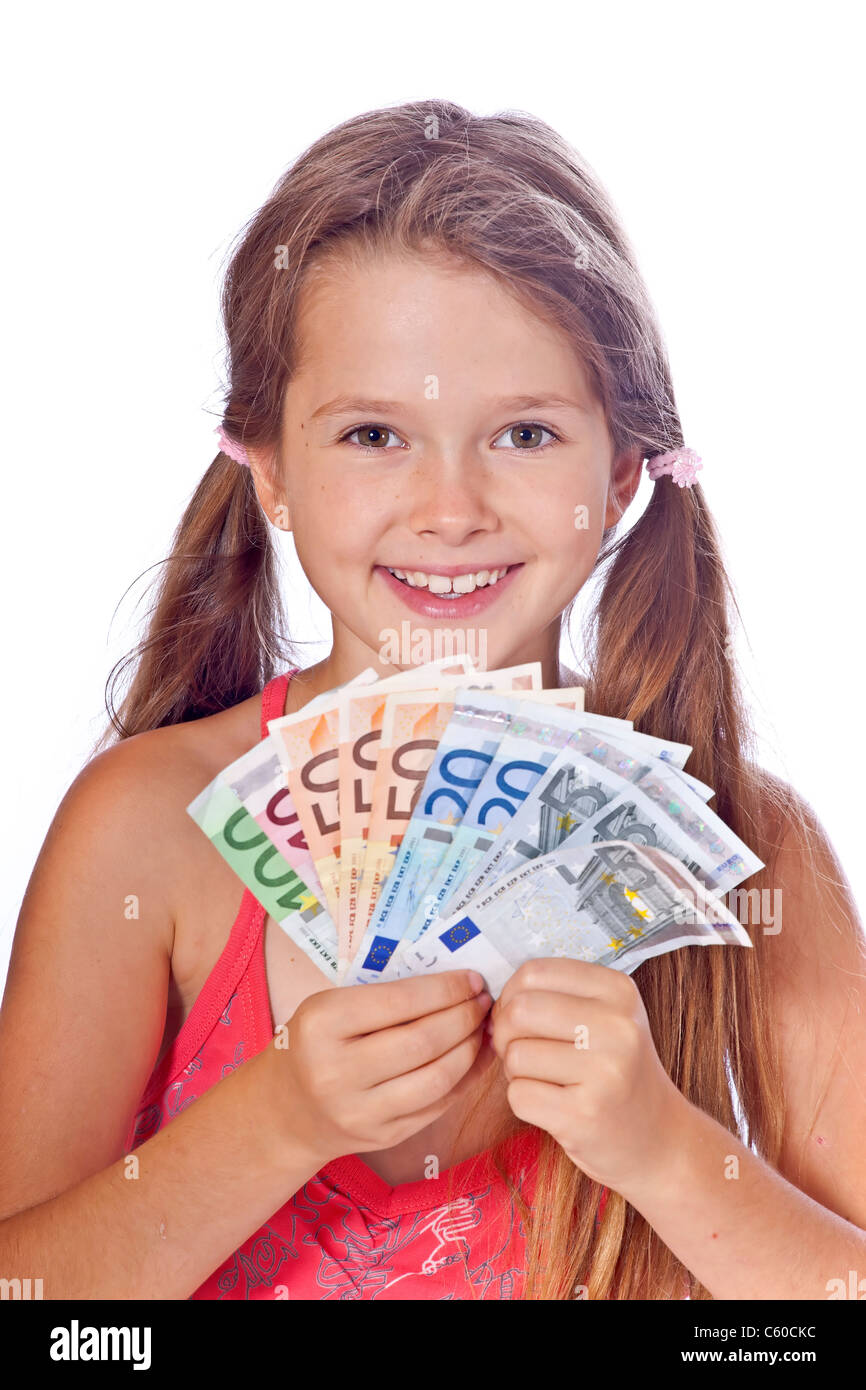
<point x="270" y="878"/>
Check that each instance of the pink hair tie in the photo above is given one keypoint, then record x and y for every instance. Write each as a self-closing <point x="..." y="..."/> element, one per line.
<point x="682" y="464"/>
<point x="234" y="451"/>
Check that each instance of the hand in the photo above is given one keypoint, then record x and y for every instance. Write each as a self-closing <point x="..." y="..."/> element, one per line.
<point x="576" y="1049"/>
<point x="367" y="1066"/>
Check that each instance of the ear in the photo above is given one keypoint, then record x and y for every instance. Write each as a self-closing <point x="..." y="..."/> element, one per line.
<point x="264" y="466"/>
<point x="625" y="477"/>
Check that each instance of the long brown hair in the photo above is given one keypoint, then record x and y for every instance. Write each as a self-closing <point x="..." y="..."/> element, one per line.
<point x="508" y="195"/>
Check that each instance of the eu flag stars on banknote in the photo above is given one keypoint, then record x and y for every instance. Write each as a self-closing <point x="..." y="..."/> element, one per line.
<point x="449" y="818"/>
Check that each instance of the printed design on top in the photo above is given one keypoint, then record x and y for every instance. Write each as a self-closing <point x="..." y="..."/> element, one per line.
<point x="175" y="1098"/>
<point x="256" y="1263"/>
<point x="358" y="1255"/>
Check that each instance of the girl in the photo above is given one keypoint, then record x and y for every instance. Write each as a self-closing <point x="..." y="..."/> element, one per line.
<point x="442" y="359"/>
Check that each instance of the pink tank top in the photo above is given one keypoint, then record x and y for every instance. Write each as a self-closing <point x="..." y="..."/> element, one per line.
<point x="346" y="1233"/>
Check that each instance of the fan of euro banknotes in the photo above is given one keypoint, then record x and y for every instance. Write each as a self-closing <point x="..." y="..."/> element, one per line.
<point x="450" y="818"/>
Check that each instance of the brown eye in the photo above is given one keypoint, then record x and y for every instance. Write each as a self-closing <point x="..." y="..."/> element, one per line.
<point x="373" y="439"/>
<point x="527" y="436"/>
<point x="372" y="434"/>
<point x="530" y="435"/>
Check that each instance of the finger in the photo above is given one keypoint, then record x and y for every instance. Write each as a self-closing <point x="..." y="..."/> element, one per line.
<point x="404" y="1126"/>
<point x="570" y="1018"/>
<point x="415" y="1091"/>
<point x="558" y="1063"/>
<point x="538" y="1103"/>
<point x="392" y="1052"/>
<point x="568" y="977"/>
<point x="485" y="1058"/>
<point x="369" y="1008"/>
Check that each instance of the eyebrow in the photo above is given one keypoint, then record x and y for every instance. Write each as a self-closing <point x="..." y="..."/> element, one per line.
<point x="341" y="405"/>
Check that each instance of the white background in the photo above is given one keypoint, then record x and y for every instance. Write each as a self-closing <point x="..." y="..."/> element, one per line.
<point x="139" y="140"/>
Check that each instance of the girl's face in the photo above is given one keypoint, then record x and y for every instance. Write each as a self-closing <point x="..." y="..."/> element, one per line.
<point x="438" y="428"/>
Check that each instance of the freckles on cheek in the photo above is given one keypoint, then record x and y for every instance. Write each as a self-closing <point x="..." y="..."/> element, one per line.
<point x="575" y="532"/>
<point x="565" y="508"/>
<point x="352" y="524"/>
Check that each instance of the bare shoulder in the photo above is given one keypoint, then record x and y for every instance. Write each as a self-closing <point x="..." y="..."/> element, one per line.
<point x="137" y="791"/>
<point x="121" y="846"/>
<point x="94" y="955"/>
<point x="814" y="955"/>
<point x="180" y="751"/>
<point x="815" y="952"/>
<point x="808" y="878"/>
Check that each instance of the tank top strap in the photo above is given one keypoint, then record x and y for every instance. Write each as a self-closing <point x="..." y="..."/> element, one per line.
<point x="274" y="698"/>
<point x="240" y="966"/>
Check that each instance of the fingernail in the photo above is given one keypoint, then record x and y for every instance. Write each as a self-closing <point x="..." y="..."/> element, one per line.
<point x="476" y="982"/>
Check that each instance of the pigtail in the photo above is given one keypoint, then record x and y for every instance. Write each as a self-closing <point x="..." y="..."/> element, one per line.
<point x="658" y="652"/>
<point x="658" y="640"/>
<point x="215" y="633"/>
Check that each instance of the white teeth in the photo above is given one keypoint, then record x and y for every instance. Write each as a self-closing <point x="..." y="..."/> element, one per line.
<point x="463" y="583"/>
<point x="442" y="584"/>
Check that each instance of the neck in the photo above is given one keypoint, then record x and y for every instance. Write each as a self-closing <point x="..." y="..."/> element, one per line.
<point x="349" y="657"/>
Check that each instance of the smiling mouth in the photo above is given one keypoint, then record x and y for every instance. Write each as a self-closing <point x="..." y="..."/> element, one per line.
<point x="450" y="586"/>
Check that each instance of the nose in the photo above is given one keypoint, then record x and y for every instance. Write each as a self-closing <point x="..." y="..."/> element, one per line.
<point x="452" y="499"/>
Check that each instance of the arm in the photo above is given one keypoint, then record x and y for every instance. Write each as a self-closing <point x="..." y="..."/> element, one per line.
<point x="205" y="1183"/>
<point x="739" y="1226"/>
<point x="789" y="1234"/>
<point x="80" y="1028"/>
